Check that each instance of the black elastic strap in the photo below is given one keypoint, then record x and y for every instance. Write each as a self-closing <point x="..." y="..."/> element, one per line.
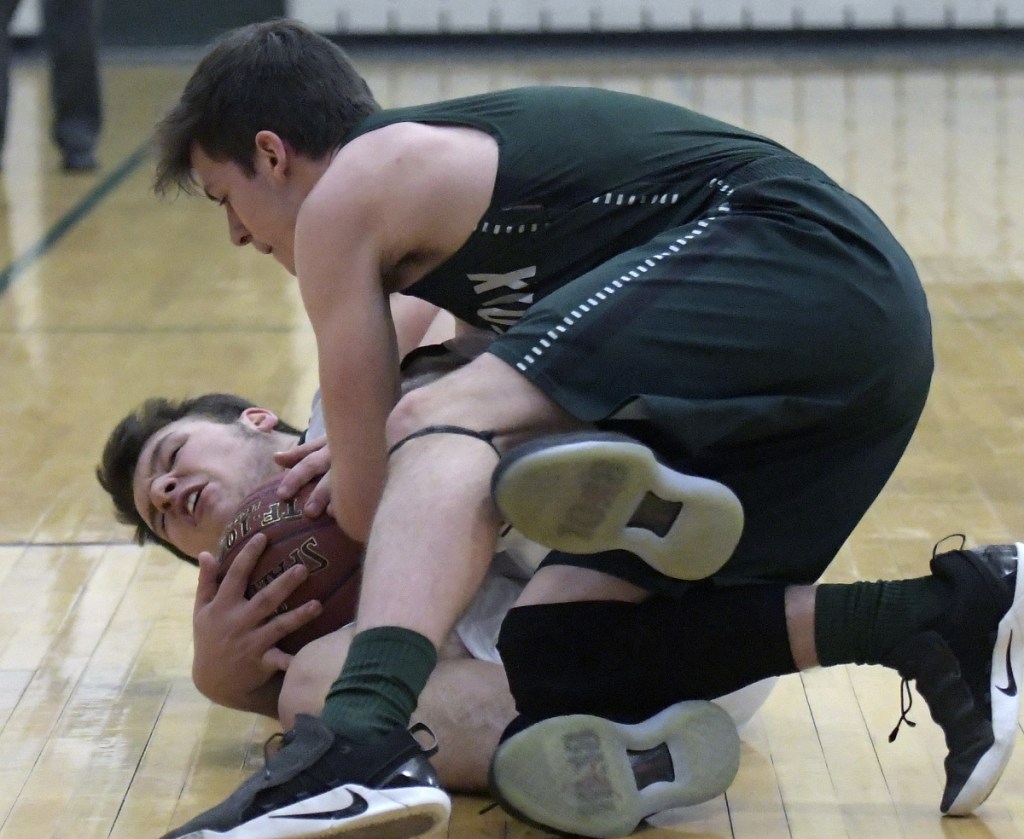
<point x="486" y="436"/>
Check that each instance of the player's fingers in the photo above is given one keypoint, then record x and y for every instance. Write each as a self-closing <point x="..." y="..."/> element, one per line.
<point x="291" y="456"/>
<point x="287" y="622"/>
<point x="311" y="467"/>
<point x="276" y="659"/>
<point x="237" y="577"/>
<point x="206" y="585"/>
<point x="270" y="597"/>
<point x="319" y="498"/>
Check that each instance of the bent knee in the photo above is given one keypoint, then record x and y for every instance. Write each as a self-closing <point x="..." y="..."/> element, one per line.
<point x="416" y="410"/>
<point x="310" y="675"/>
<point x="485" y="396"/>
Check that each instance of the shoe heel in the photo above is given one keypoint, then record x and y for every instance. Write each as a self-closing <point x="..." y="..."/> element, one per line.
<point x="588" y="493"/>
<point x="588" y="776"/>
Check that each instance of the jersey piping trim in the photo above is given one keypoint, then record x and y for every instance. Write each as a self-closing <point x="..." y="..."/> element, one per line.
<point x="582" y="309"/>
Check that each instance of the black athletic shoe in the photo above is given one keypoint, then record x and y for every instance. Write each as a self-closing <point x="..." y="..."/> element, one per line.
<point x="588" y="492"/>
<point x="321" y="785"/>
<point x="967" y="666"/>
<point x="583" y="775"/>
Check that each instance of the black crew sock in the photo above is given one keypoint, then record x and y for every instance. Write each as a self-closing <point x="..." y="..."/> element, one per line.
<point x="628" y="661"/>
<point x="858" y="623"/>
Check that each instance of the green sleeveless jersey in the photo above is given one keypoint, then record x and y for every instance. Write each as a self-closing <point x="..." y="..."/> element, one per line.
<point x="583" y="174"/>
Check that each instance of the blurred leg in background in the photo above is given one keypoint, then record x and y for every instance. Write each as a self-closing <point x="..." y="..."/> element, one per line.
<point x="69" y="29"/>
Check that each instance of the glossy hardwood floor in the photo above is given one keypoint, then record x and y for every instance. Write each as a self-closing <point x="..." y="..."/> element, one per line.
<point x="110" y="296"/>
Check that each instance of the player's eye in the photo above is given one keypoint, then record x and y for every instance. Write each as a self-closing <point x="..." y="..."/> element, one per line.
<point x="174" y="455"/>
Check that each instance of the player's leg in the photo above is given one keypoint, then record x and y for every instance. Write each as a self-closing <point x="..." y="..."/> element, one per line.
<point x="445" y="435"/>
<point x="731" y="329"/>
<point x="966" y="659"/>
<point x="957" y="632"/>
<point x="436" y="513"/>
<point x="952" y="631"/>
<point x="466" y="704"/>
<point x="74" y="80"/>
<point x="7" y="10"/>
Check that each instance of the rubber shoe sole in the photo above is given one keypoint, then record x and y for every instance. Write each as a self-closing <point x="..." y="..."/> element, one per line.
<point x="349" y="812"/>
<point x="1005" y="686"/>
<point x="301" y="792"/>
<point x="582" y="775"/>
<point x="593" y="492"/>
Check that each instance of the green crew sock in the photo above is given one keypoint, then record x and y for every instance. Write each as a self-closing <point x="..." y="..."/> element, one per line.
<point x="380" y="684"/>
<point x="858" y="623"/>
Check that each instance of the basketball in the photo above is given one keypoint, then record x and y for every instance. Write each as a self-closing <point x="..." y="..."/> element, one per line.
<point x="333" y="559"/>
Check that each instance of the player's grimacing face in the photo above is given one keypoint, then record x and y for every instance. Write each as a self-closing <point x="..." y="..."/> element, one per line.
<point x="192" y="476"/>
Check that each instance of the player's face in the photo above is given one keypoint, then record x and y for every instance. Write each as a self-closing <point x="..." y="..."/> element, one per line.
<point x="257" y="207"/>
<point x="193" y="474"/>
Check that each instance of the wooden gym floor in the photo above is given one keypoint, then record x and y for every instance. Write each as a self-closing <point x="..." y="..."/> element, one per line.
<point x="110" y="296"/>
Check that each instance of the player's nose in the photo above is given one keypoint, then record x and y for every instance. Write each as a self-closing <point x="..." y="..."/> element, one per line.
<point x="238" y="232"/>
<point x="162" y="490"/>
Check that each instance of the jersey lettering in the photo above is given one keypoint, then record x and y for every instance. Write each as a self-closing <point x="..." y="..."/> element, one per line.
<point x="497" y="306"/>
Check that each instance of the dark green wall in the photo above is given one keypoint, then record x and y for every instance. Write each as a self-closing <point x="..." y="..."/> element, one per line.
<point x="178" y="22"/>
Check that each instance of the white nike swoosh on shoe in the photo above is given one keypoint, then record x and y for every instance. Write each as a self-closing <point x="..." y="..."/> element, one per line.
<point x="356" y="808"/>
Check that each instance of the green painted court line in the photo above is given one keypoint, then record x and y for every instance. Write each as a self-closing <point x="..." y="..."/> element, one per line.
<point x="16" y="268"/>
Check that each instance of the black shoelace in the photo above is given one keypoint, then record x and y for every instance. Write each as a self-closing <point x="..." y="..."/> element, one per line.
<point x="906" y="703"/>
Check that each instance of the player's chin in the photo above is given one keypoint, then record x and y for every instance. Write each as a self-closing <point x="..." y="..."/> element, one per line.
<point x="212" y="523"/>
<point x="284" y="260"/>
<point x="216" y="506"/>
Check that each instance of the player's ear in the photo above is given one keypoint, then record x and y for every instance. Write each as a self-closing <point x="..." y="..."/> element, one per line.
<point x="259" y="418"/>
<point x="271" y="151"/>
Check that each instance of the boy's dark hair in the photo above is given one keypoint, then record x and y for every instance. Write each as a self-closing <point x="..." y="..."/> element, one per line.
<point x="278" y="76"/>
<point x="126" y="441"/>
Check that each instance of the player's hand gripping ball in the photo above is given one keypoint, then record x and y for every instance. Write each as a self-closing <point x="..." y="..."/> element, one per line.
<point x="333" y="559"/>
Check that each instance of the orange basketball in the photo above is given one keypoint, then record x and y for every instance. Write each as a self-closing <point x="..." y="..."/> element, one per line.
<point x="333" y="559"/>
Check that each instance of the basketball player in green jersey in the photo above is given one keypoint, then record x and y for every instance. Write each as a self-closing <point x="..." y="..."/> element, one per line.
<point x="752" y="336"/>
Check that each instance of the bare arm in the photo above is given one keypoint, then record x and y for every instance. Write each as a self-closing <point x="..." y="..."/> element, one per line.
<point x="393" y="205"/>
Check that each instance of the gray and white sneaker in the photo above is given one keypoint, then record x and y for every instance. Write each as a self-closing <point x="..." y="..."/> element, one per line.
<point x="588" y="776"/>
<point x="322" y="785"/>
<point x="588" y="492"/>
<point x="968" y="668"/>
